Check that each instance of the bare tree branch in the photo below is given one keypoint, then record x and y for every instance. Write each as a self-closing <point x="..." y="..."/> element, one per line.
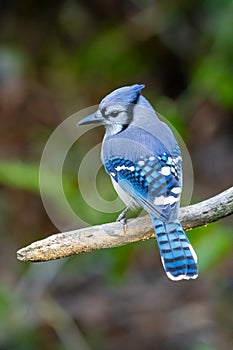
<point x="112" y="235"/>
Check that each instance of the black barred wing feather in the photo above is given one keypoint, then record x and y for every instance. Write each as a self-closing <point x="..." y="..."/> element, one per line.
<point x="154" y="183"/>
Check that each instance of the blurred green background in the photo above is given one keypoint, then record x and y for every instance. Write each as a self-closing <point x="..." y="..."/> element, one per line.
<point x="57" y="57"/>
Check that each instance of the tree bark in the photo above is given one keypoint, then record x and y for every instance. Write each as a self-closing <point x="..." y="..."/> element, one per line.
<point x="115" y="234"/>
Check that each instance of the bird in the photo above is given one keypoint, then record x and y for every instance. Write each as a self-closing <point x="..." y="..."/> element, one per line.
<point x="142" y="157"/>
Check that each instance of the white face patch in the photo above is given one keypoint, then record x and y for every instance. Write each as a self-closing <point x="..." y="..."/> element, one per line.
<point x="122" y="167"/>
<point x="165" y="170"/>
<point x="113" y="128"/>
<point x="114" y="108"/>
<point x="176" y="190"/>
<point x="166" y="200"/>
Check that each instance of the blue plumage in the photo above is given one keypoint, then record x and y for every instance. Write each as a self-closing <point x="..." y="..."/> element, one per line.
<point x="124" y="94"/>
<point x="177" y="255"/>
<point x="142" y="157"/>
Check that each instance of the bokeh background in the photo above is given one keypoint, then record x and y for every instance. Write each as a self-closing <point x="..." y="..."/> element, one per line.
<point x="57" y="57"/>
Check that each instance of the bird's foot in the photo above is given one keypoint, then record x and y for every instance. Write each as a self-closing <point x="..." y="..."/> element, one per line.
<point x="121" y="218"/>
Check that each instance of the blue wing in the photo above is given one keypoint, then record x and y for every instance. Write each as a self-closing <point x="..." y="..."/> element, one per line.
<point x="154" y="183"/>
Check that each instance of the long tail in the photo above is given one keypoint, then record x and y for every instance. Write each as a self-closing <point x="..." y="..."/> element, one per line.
<point x="178" y="256"/>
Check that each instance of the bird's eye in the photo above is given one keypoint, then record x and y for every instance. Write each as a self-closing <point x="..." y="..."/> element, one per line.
<point x="113" y="114"/>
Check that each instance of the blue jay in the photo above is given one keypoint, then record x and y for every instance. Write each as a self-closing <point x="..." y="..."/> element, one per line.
<point x="142" y="157"/>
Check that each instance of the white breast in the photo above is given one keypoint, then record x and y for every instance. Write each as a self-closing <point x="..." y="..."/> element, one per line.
<point x="124" y="196"/>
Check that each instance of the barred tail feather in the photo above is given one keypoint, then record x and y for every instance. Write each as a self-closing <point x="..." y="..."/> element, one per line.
<point x="178" y="256"/>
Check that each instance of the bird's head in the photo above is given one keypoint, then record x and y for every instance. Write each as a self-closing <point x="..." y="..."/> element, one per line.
<point x="115" y="111"/>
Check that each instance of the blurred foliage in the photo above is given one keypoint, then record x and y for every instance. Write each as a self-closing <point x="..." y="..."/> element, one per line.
<point x="57" y="57"/>
<point x="19" y="174"/>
